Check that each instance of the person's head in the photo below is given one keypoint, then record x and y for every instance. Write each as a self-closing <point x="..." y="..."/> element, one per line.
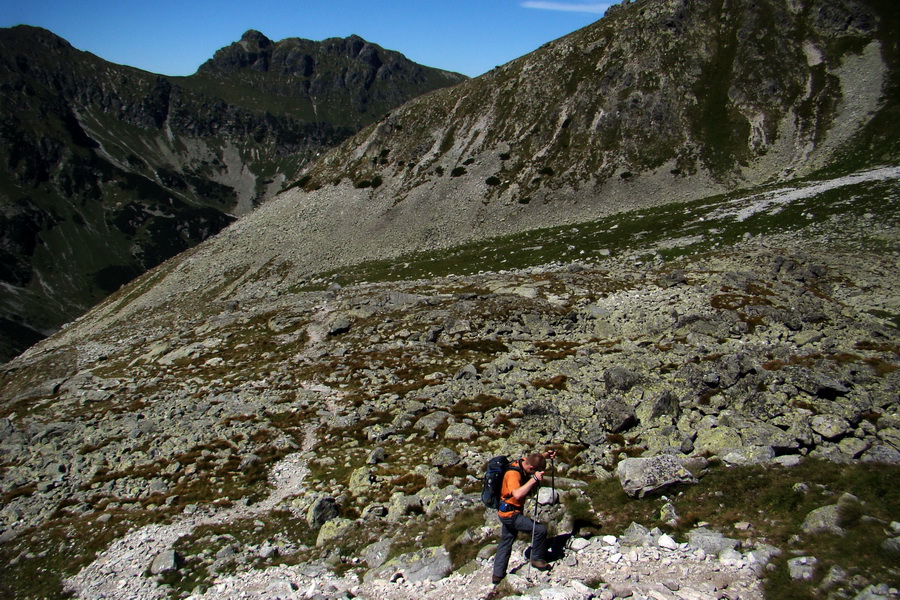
<point x="534" y="463"/>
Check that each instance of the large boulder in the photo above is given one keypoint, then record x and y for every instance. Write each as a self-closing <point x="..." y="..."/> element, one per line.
<point x="427" y="564"/>
<point x="361" y="480"/>
<point x="333" y="529"/>
<point x="711" y="542"/>
<point x="165" y="561"/>
<point x="321" y="511"/>
<point x="717" y="440"/>
<point x="619" y="379"/>
<point x="642" y="476"/>
<point x="376" y="554"/>
<point x="431" y="422"/>
<point x="460" y="431"/>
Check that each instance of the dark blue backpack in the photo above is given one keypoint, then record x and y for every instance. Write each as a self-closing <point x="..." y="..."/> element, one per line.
<point x="493" y="480"/>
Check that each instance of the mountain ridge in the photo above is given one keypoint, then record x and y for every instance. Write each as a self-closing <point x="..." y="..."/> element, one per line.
<point x="112" y="169"/>
<point x="364" y="200"/>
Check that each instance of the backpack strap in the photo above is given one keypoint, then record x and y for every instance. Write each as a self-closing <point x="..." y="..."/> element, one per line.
<point x="516" y="465"/>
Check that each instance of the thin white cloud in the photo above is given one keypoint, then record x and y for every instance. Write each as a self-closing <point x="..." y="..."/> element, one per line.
<point x="585" y="7"/>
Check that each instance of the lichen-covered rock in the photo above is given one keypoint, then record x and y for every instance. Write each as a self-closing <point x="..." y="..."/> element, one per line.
<point x="642" y="476"/>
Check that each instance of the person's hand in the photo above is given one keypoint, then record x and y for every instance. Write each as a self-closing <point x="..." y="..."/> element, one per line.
<point x="550" y="454"/>
<point x="538" y="476"/>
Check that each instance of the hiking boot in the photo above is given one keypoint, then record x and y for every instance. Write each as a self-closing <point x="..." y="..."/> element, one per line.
<point x="540" y="565"/>
<point x="496" y="580"/>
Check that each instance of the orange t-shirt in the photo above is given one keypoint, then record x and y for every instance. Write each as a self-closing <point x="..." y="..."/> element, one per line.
<point x="512" y="480"/>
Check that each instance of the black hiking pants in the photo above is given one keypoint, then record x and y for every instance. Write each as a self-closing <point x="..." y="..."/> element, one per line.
<point x="511" y="526"/>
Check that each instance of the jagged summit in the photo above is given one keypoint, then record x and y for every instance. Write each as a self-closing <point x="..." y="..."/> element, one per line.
<point x="303" y="58"/>
<point x="38" y="35"/>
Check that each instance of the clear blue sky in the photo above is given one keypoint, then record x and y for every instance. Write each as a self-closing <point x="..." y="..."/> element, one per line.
<point x="174" y="37"/>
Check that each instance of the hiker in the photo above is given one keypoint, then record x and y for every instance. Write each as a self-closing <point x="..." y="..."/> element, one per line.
<point x="523" y="476"/>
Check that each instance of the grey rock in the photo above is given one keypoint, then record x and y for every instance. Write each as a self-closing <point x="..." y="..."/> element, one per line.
<point x="823" y="520"/>
<point x="636" y="535"/>
<point x="333" y="529"/>
<point x="321" y="511"/>
<point x="663" y="404"/>
<point x="807" y="337"/>
<point x="750" y="455"/>
<point x="711" y="542"/>
<point x="788" y="460"/>
<point x="718" y="440"/>
<point x="248" y="461"/>
<point x="227" y="552"/>
<point x="835" y="576"/>
<point x="819" y="384"/>
<point x="466" y="372"/>
<point x="378" y="455"/>
<point x="673" y="278"/>
<point x="7" y="429"/>
<point x="428" y="564"/>
<point x="880" y="591"/>
<point x="764" y="434"/>
<point x="802" y="568"/>
<point x="761" y="555"/>
<point x="402" y="505"/>
<point x="445" y="457"/>
<point x="396" y="298"/>
<point x="881" y="453"/>
<point x="830" y="426"/>
<point x="619" y="379"/>
<point x="376" y="554"/>
<point x="164" y="562"/>
<point x="338" y="324"/>
<point x="642" y="476"/>
<point x="360" y="480"/>
<point x="892" y="545"/>
<point x="547" y="496"/>
<point x="460" y="431"/>
<point x="610" y="415"/>
<point x="431" y="422"/>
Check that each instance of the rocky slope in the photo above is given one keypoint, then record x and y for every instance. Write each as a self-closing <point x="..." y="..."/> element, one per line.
<point x="779" y="346"/>
<point x="304" y="403"/>
<point x="110" y="170"/>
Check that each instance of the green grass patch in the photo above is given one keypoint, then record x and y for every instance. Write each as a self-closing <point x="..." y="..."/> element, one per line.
<point x="703" y="226"/>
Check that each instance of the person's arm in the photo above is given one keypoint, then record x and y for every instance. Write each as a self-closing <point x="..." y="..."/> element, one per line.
<point x="522" y="491"/>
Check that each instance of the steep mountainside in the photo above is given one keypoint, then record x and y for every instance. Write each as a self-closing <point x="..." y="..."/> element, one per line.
<point x="110" y="170"/>
<point x="660" y="101"/>
<point x="665" y="246"/>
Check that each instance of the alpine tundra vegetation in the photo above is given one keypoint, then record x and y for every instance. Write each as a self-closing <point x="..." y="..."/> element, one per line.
<point x="665" y="246"/>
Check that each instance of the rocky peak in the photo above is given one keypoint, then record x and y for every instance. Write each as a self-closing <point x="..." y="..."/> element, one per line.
<point x="38" y="35"/>
<point x="313" y="60"/>
<point x="254" y="37"/>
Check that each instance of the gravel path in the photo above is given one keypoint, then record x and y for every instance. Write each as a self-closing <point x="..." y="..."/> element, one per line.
<point x="120" y="571"/>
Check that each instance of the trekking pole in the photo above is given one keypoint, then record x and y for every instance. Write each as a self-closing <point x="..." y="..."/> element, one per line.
<point x="533" y="527"/>
<point x="553" y="480"/>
